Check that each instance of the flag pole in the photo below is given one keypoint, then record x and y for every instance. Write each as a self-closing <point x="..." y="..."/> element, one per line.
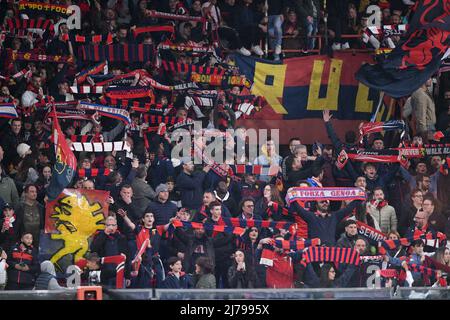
<point x="380" y="102"/>
<point x="325" y="20"/>
<point x="266" y="15"/>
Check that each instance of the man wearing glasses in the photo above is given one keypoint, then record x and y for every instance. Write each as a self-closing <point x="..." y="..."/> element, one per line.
<point x="110" y="242"/>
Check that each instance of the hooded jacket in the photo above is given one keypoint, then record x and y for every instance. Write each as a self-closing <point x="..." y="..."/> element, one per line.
<point x="47" y="279"/>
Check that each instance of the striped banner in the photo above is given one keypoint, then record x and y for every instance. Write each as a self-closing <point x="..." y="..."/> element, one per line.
<point x="8" y="110"/>
<point x="331" y="254"/>
<point x="255" y="169"/>
<point x="332" y="194"/>
<point x="117" y="52"/>
<point x="100" y="146"/>
<point x="107" y="111"/>
<point x="295" y="245"/>
<point x="92" y="173"/>
<point x="86" y="89"/>
<point x="208" y="227"/>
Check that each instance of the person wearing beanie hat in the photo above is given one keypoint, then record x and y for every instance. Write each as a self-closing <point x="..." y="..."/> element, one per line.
<point x="161" y="188"/>
<point x="23" y="149"/>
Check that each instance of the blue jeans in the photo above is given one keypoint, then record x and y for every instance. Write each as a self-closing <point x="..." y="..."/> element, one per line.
<point x="275" y="31"/>
<point x="311" y="30"/>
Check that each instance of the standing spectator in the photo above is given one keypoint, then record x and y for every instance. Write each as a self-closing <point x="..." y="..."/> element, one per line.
<point x="250" y="27"/>
<point x="10" y="227"/>
<point x="8" y="190"/>
<point x="349" y="237"/>
<point x="409" y="210"/>
<point x="110" y="242"/>
<point x="435" y="218"/>
<point x="382" y="212"/>
<point x="31" y="213"/>
<point x="241" y="274"/>
<point x="309" y="11"/>
<point x="224" y="196"/>
<point x="23" y="264"/>
<point x="190" y="184"/>
<point x="3" y="269"/>
<point x="10" y="142"/>
<point x="323" y="224"/>
<point x="163" y="209"/>
<point x="424" y="111"/>
<point x="143" y="193"/>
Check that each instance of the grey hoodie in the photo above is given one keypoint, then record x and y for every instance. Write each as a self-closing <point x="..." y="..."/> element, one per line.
<point x="48" y="267"/>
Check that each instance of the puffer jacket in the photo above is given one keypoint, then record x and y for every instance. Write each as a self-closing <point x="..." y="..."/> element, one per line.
<point x="385" y="215"/>
<point x="47" y="279"/>
<point x="25" y="255"/>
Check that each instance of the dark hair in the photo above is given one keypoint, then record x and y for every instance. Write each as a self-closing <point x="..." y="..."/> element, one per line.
<point x="214" y="204"/>
<point x="420" y="176"/>
<point x="316" y="171"/>
<point x="28" y="186"/>
<point x="294" y="139"/>
<point x="244" y="200"/>
<point x="325" y="282"/>
<point x="416" y="191"/>
<point x="141" y="171"/>
<point x="369" y="164"/>
<point x="205" y="265"/>
<point x="126" y="186"/>
<point x="377" y="188"/>
<point x="430" y="198"/>
<point x="172" y="260"/>
<point x="350" y="136"/>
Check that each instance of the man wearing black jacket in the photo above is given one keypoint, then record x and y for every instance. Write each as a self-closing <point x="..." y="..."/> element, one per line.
<point x="190" y="184"/>
<point x="23" y="264"/>
<point x="224" y="246"/>
<point x="110" y="242"/>
<point x="322" y="224"/>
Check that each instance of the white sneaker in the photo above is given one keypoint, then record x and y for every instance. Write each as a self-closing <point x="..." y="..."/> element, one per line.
<point x="277" y="49"/>
<point x="345" y="46"/>
<point x="336" y="46"/>
<point x="245" y="52"/>
<point x="258" y="50"/>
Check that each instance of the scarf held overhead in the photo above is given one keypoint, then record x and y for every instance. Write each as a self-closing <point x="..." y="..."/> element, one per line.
<point x="332" y="194"/>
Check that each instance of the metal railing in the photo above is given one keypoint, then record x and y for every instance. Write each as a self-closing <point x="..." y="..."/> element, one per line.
<point x="241" y="294"/>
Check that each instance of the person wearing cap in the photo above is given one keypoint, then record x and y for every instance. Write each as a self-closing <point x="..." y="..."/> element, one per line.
<point x="163" y="209"/>
<point x="10" y="225"/>
<point x="190" y="184"/>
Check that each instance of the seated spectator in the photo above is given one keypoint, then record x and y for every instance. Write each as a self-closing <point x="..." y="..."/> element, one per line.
<point x="177" y="279"/>
<point x="47" y="278"/>
<point x="204" y="275"/>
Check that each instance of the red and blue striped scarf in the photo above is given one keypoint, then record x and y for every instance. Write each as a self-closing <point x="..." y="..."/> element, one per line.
<point x="331" y="254"/>
<point x="117" y="52"/>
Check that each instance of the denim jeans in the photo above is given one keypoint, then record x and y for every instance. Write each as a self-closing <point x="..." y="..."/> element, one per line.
<point x="275" y="31"/>
<point x="311" y="30"/>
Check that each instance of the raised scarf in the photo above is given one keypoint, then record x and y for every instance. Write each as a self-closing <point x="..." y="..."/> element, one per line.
<point x="100" y="146"/>
<point x="295" y="245"/>
<point x="92" y="173"/>
<point x="107" y="111"/>
<point x="40" y="8"/>
<point x="332" y="194"/>
<point x="93" y="39"/>
<point x="101" y="67"/>
<point x="30" y="56"/>
<point x="117" y="52"/>
<point x="8" y="110"/>
<point x="331" y="254"/>
<point x="372" y="127"/>
<point x="140" y="30"/>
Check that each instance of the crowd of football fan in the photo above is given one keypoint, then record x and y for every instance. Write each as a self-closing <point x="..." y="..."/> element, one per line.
<point x="150" y="189"/>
